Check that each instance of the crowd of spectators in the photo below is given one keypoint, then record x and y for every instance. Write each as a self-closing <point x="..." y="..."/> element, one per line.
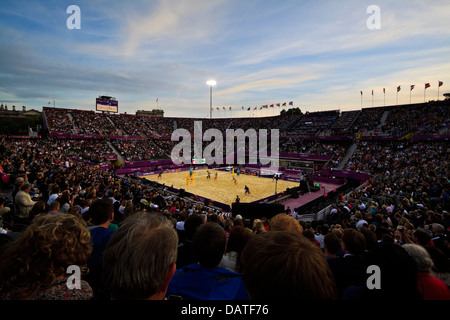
<point x="368" y="120"/>
<point x="204" y="254"/>
<point x="343" y="124"/>
<point x="140" y="150"/>
<point x="58" y="120"/>
<point x="92" y="123"/>
<point x="426" y="118"/>
<point x="296" y="145"/>
<point x="430" y="118"/>
<point x="336" y="151"/>
<point x="135" y="240"/>
<point x="90" y="150"/>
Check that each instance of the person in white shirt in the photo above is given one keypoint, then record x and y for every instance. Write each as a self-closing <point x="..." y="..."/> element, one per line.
<point x="56" y="192"/>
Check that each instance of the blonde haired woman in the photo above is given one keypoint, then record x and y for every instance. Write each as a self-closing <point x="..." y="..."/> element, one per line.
<point x="35" y="265"/>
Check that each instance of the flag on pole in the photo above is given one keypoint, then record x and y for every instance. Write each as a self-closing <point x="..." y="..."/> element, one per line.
<point x="361" y="92"/>
<point x="278" y="105"/>
<point x="291" y="103"/>
<point x="399" y="88"/>
<point x="412" y="87"/>
<point x="284" y="104"/>
<point x="440" y="83"/>
<point x="248" y="109"/>
<point x="372" y="92"/>
<point x="384" y="90"/>
<point x="427" y="85"/>
<point x="230" y="108"/>
<point x="271" y="105"/>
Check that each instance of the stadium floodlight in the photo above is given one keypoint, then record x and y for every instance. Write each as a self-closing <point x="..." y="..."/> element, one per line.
<point x="210" y="83"/>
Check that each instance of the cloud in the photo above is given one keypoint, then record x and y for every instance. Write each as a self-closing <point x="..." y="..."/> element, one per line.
<point x="270" y="80"/>
<point x="171" y="24"/>
<point x="319" y="53"/>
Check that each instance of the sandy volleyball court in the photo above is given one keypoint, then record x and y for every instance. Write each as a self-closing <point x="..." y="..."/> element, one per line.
<point x="223" y="189"/>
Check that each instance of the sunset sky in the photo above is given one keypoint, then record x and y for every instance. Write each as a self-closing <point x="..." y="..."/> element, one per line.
<point x="318" y="54"/>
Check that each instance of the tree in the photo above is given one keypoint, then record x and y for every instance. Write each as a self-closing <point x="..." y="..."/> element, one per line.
<point x="291" y="112"/>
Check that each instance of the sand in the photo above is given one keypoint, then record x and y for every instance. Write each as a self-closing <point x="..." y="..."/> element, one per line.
<point x="224" y="189"/>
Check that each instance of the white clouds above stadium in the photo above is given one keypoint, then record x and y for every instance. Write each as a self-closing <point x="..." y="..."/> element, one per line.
<point x="319" y="54"/>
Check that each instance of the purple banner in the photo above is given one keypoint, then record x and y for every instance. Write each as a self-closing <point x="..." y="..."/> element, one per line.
<point x="148" y="163"/>
<point x="126" y="137"/>
<point x="270" y="198"/>
<point x="60" y="135"/>
<point x="380" y="138"/>
<point x="345" y="174"/>
<point x="86" y="136"/>
<point x="431" y="137"/>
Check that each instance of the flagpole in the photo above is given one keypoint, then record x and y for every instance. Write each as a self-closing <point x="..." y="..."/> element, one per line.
<point x="438" y="91"/>
<point x="361" y="99"/>
<point x="424" y="92"/>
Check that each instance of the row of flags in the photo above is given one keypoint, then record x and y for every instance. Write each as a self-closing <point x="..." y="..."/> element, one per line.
<point x="427" y="85"/>
<point x="266" y="106"/>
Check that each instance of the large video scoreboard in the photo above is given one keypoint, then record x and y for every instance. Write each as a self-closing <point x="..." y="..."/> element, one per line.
<point x="105" y="103"/>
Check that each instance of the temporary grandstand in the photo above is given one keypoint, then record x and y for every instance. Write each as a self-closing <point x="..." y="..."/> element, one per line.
<point x="325" y="153"/>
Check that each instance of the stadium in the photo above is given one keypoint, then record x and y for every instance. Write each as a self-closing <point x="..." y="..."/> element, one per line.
<point x="294" y="191"/>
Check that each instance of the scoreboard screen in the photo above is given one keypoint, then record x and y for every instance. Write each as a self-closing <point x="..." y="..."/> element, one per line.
<point x="107" y="105"/>
<point x="198" y="161"/>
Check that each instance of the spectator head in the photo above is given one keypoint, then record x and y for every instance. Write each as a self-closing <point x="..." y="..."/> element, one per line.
<point x="19" y="182"/>
<point x="101" y="211"/>
<point x="228" y="224"/>
<point x="422" y="237"/>
<point x="332" y="243"/>
<point x="437" y="228"/>
<point x="284" y="222"/>
<point x="192" y="222"/>
<point x="370" y="237"/>
<point x="42" y="253"/>
<point x="285" y="265"/>
<point x="398" y="273"/>
<point x="26" y="187"/>
<point x="239" y="237"/>
<point x="139" y="261"/>
<point x="421" y="257"/>
<point x="209" y="244"/>
<point x="353" y="242"/>
<point x="54" y="206"/>
<point x="55" y="189"/>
